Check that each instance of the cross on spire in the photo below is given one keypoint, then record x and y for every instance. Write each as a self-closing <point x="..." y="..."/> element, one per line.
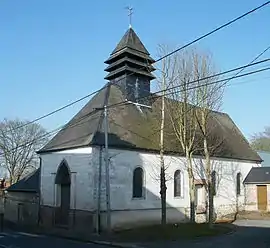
<point x="130" y="12"/>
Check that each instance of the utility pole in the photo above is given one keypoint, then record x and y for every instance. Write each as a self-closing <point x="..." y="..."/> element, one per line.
<point x="107" y="169"/>
<point x="107" y="164"/>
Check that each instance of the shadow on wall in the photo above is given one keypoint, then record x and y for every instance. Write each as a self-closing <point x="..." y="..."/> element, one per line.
<point x="135" y="197"/>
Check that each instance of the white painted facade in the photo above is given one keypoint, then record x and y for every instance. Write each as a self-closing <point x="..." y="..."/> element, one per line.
<point x="84" y="167"/>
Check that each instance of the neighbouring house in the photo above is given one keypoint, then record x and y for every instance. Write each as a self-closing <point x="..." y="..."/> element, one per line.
<point x="21" y="202"/>
<point x="265" y="157"/>
<point x="257" y="186"/>
<point x="72" y="174"/>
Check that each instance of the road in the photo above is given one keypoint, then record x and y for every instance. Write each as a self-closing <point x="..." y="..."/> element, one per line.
<point x="249" y="234"/>
<point x="26" y="240"/>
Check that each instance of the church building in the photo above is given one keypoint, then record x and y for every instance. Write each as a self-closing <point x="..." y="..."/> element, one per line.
<point x="73" y="169"/>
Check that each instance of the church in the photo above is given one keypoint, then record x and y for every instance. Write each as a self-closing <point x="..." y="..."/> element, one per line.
<point x="73" y="169"/>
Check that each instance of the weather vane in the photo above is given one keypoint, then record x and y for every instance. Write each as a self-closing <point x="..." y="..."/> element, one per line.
<point x="130" y="12"/>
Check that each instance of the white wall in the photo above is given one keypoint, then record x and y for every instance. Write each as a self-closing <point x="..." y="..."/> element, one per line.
<point x="124" y="162"/>
<point x="82" y="168"/>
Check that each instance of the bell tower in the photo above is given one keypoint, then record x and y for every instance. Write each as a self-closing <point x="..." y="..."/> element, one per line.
<point x="130" y="67"/>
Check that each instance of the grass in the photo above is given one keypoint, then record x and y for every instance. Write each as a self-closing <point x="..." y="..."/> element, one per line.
<point x="170" y="232"/>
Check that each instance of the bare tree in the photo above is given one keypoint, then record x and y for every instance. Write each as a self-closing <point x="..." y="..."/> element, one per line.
<point x="163" y="187"/>
<point x="209" y="95"/>
<point x="181" y="97"/>
<point x="18" y="144"/>
<point x="261" y="140"/>
<point x="166" y="72"/>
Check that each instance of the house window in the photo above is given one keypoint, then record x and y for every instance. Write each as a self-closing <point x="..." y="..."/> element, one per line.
<point x="138" y="183"/>
<point x="214" y="182"/>
<point x="177" y="183"/>
<point x="238" y="183"/>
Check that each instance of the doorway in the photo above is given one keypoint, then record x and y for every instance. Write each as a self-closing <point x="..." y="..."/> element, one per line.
<point x="62" y="181"/>
<point x="262" y="197"/>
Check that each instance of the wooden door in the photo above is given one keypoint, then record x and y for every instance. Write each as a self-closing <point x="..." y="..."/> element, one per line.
<point x="262" y="197"/>
<point x="65" y="203"/>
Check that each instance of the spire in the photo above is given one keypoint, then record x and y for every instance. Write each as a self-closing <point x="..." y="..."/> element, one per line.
<point x="130" y="40"/>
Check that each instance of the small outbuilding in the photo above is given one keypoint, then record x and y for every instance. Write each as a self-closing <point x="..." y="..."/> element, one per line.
<point x="21" y="204"/>
<point x="257" y="189"/>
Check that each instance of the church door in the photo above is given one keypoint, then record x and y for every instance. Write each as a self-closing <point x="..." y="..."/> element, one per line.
<point x="63" y="195"/>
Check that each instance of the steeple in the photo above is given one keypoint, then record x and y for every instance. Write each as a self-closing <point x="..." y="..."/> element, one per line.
<point x="130" y="67"/>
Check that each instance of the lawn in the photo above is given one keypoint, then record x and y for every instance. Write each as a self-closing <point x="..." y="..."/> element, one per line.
<point x="170" y="232"/>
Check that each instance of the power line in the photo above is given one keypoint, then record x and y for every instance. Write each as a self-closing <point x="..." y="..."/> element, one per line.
<point x="215" y="30"/>
<point x="235" y="76"/>
<point x="157" y="96"/>
<point x="201" y="79"/>
<point x="31" y="142"/>
<point x="161" y="58"/>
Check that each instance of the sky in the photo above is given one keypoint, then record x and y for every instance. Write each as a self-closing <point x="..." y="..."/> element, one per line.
<point x="53" y="52"/>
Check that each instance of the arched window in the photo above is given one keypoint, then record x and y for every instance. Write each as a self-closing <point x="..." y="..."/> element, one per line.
<point x="177" y="183"/>
<point x="238" y="183"/>
<point x="63" y="175"/>
<point x="214" y="182"/>
<point x="138" y="183"/>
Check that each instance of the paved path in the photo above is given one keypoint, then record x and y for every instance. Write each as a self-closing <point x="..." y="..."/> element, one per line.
<point x="25" y="240"/>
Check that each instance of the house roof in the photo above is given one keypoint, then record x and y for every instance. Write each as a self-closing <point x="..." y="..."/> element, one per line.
<point x="132" y="128"/>
<point x="258" y="175"/>
<point x="30" y="183"/>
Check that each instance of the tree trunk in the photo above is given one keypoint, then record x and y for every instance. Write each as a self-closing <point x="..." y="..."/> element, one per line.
<point x="210" y="205"/>
<point x="191" y="189"/>
<point x="209" y="184"/>
<point x="163" y="187"/>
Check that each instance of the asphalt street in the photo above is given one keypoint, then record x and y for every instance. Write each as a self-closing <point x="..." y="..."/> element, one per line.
<point x="26" y="240"/>
<point x="249" y="234"/>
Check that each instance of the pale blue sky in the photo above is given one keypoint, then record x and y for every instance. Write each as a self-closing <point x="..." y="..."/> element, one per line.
<point x="52" y="52"/>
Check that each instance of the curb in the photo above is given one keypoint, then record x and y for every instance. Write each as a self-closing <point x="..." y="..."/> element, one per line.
<point x="114" y="244"/>
<point x="80" y="240"/>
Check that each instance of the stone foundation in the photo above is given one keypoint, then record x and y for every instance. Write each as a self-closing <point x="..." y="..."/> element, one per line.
<point x="81" y="221"/>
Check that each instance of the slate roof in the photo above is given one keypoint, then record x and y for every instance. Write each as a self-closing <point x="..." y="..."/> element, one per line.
<point x="129" y="56"/>
<point x="30" y="183"/>
<point x="133" y="128"/>
<point x="258" y="175"/>
<point x="130" y="40"/>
